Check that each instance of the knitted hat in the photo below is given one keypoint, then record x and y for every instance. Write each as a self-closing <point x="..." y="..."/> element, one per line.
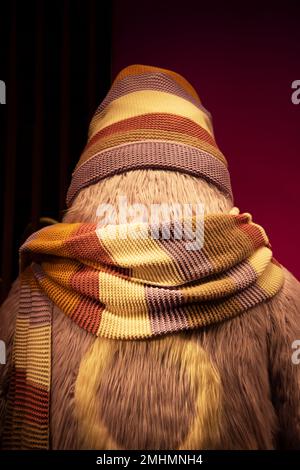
<point x="151" y="118"/>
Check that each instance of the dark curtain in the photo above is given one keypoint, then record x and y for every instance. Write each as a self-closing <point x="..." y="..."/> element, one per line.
<point x="56" y="65"/>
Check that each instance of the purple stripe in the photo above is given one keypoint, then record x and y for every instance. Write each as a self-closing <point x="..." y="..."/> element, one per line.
<point x="192" y="265"/>
<point x="38" y="272"/>
<point x="157" y="81"/>
<point x="243" y="275"/>
<point x="250" y="297"/>
<point x="40" y="310"/>
<point x="164" y="310"/>
<point x="156" y="155"/>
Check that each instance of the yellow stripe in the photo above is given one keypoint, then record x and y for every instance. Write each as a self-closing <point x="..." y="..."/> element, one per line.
<point x="271" y="279"/>
<point x="121" y="295"/>
<point x="137" y="69"/>
<point x="144" y="102"/>
<point x="260" y="259"/>
<point x="115" y="326"/>
<point x="66" y="299"/>
<point x="145" y="258"/>
<point x="37" y="359"/>
<point x="60" y="270"/>
<point x="134" y="320"/>
<point x="209" y="290"/>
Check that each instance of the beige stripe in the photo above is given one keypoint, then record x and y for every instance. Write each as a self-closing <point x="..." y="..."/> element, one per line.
<point x="271" y="279"/>
<point x="260" y="259"/>
<point x="146" y="259"/>
<point x="143" y="102"/>
<point x="119" y="327"/>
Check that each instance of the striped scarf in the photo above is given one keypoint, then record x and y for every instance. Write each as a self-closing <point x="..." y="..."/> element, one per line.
<point x="126" y="288"/>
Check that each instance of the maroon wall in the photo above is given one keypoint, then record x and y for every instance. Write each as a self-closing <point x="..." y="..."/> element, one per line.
<point x="242" y="61"/>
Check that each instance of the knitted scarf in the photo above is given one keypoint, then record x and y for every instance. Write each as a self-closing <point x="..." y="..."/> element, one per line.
<point x="126" y="288"/>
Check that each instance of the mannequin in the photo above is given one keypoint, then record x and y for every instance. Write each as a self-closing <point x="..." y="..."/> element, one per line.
<point x="228" y="385"/>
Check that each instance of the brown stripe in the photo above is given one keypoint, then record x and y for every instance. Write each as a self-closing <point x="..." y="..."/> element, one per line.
<point x="28" y="408"/>
<point x="254" y="234"/>
<point x="85" y="245"/>
<point x="156" y="122"/>
<point x="225" y="243"/>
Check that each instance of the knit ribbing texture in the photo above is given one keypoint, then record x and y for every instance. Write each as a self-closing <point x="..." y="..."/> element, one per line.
<point x="126" y="288"/>
<point x="151" y="118"/>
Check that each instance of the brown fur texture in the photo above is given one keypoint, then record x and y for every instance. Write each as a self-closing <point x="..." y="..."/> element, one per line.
<point x="228" y="386"/>
<point x="158" y="394"/>
<point x="146" y="187"/>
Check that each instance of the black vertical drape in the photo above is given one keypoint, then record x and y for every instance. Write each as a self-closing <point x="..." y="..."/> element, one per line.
<point x="55" y="59"/>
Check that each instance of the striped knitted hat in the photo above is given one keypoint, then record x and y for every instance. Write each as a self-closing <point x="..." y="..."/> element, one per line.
<point x="151" y="118"/>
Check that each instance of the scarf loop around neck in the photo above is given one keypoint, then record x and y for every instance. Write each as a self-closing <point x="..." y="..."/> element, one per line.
<point x="128" y="289"/>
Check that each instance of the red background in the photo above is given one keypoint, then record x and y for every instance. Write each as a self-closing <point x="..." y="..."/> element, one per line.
<point x="242" y="61"/>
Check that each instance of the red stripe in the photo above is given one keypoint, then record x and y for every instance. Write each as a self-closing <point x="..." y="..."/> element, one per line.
<point x="156" y="121"/>
<point x="88" y="315"/>
<point x="254" y="235"/>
